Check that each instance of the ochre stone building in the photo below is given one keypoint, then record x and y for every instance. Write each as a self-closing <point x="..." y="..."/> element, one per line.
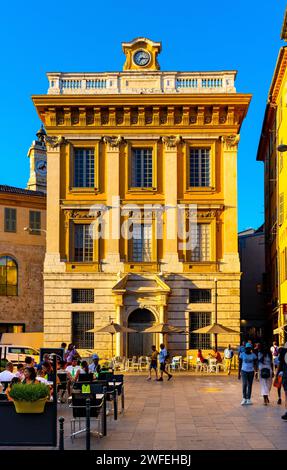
<point x="272" y="152"/>
<point x="130" y="155"/>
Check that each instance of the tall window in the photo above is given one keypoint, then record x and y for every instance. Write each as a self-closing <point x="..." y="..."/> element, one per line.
<point x="10" y="219"/>
<point x="199" y="320"/>
<point x="83" y="296"/>
<point x="8" y="276"/>
<point x="81" y="323"/>
<point x="83" y="243"/>
<point x="142" y="243"/>
<point x="35" y="222"/>
<point x="200" y="242"/>
<point x="142" y="168"/>
<point x="84" y="168"/>
<point x="199" y="167"/>
<point x="198" y="296"/>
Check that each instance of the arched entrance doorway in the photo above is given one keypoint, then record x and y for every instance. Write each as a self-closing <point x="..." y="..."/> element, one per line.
<point x="140" y="344"/>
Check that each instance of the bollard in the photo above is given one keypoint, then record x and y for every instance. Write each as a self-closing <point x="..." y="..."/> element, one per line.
<point x="104" y="411"/>
<point x="115" y="394"/>
<point x="88" y="423"/>
<point x="61" y="438"/>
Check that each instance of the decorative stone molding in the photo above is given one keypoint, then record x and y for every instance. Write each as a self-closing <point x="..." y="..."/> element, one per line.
<point x="113" y="141"/>
<point x="171" y="141"/>
<point x="55" y="141"/>
<point x="231" y="141"/>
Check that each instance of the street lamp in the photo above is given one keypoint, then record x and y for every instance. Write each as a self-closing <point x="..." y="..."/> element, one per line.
<point x="215" y="310"/>
<point x="282" y="148"/>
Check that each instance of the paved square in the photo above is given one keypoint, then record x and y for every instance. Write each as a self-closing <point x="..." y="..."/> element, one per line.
<point x="190" y="412"/>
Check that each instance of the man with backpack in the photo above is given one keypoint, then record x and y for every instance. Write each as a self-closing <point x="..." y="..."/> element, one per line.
<point x="163" y="356"/>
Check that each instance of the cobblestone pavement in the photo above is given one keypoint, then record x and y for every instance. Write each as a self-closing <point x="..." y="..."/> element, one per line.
<point x="189" y="412"/>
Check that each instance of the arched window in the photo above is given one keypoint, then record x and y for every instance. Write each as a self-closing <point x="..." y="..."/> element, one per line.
<point x="8" y="276"/>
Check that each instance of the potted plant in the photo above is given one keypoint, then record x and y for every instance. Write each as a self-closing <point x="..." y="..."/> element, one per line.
<point x="29" y="398"/>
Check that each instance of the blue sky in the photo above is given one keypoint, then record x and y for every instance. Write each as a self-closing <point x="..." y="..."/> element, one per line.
<point x="74" y="36"/>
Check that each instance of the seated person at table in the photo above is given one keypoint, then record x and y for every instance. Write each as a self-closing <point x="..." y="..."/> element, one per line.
<point x="20" y="371"/>
<point x="71" y="373"/>
<point x="14" y="381"/>
<point x="7" y="374"/>
<point x="61" y="367"/>
<point x="46" y="358"/>
<point x="216" y="355"/>
<point x="201" y="358"/>
<point x="95" y="367"/>
<point x="29" y="362"/>
<point x="84" y="369"/>
<point x="30" y="376"/>
<point x="42" y="376"/>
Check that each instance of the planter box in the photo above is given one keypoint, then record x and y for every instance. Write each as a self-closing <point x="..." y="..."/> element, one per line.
<point x="28" y="429"/>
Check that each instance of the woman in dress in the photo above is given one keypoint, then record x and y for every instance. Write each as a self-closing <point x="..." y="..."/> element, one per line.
<point x="265" y="368"/>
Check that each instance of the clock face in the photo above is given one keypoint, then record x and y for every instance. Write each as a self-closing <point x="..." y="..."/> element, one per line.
<point x="41" y="167"/>
<point x="141" y="58"/>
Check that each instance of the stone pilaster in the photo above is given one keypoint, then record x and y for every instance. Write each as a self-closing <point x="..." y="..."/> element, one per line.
<point x="112" y="261"/>
<point x="230" y="261"/>
<point x="171" y="263"/>
<point x="52" y="258"/>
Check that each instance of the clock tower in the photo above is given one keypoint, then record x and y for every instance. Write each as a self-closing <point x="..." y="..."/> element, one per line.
<point x="141" y="54"/>
<point x="38" y="163"/>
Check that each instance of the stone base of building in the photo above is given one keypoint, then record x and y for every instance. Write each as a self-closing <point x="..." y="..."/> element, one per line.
<point x="133" y="297"/>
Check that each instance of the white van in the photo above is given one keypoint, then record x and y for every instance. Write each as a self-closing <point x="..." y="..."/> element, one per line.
<point x="17" y="353"/>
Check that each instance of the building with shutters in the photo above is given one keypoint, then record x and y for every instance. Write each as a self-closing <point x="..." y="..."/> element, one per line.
<point x="22" y="248"/>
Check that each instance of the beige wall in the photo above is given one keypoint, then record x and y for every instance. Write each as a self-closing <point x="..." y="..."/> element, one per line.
<point x="29" y="251"/>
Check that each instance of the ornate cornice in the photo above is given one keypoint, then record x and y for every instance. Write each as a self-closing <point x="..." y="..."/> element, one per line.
<point x="171" y="141"/>
<point x="231" y="141"/>
<point x="113" y="141"/>
<point x="55" y="141"/>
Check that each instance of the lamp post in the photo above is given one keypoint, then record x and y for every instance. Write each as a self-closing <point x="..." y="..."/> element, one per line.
<point x="215" y="311"/>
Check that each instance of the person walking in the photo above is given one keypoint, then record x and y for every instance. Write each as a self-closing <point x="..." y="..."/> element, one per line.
<point x="153" y="362"/>
<point x="162" y="361"/>
<point x="241" y="349"/>
<point x="274" y="351"/>
<point x="248" y="359"/>
<point x="265" y="368"/>
<point x="228" y="356"/>
<point x="282" y="370"/>
<point x="278" y="380"/>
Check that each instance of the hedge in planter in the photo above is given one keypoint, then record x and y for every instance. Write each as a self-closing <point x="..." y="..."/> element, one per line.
<point x="29" y="398"/>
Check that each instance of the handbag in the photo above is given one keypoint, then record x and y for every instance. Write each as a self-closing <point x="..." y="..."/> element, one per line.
<point x="265" y="373"/>
<point x="277" y="381"/>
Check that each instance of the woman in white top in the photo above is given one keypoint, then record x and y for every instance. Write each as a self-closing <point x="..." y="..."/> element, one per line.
<point x="265" y="366"/>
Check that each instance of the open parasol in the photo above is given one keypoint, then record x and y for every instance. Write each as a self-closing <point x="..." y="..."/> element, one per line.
<point x="216" y="329"/>
<point x="163" y="328"/>
<point x="112" y="328"/>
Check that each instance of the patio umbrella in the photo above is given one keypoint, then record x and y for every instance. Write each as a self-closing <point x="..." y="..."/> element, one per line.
<point x="216" y="329"/>
<point x="112" y="328"/>
<point x="163" y="328"/>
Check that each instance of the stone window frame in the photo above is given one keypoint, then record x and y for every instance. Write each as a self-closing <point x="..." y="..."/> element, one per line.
<point x="71" y="173"/>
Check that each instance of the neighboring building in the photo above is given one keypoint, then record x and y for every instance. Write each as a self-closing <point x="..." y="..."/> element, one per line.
<point x="141" y="136"/>
<point x="22" y="251"/>
<point x="252" y="299"/>
<point x="274" y="132"/>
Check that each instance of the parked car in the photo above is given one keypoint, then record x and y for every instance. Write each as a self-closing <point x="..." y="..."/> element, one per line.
<point x="17" y="353"/>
